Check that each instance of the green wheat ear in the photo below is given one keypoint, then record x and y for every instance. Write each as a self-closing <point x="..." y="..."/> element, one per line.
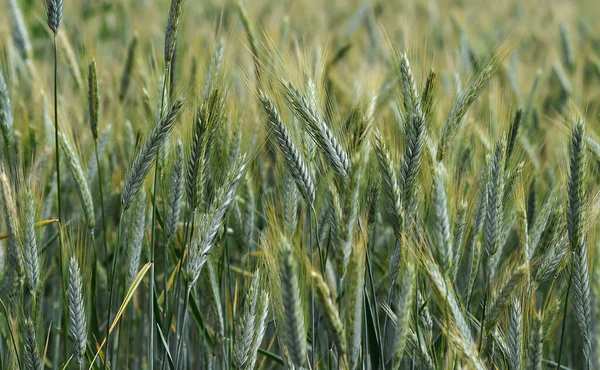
<point x="147" y="153"/>
<point x="576" y="220"/>
<point x="54" y="14"/>
<point x="6" y="118"/>
<point x="32" y="355"/>
<point x="77" y="317"/>
<point x="294" y="330"/>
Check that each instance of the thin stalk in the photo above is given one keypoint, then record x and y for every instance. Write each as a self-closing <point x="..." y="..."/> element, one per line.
<point x="153" y="235"/>
<point x="374" y="308"/>
<point x="322" y="260"/>
<point x="177" y="283"/>
<point x="564" y="321"/>
<point x="180" y="340"/>
<point x="416" y="313"/>
<point x="389" y="301"/>
<point x="223" y="288"/>
<point x="152" y="248"/>
<point x="99" y="169"/>
<point x="112" y="289"/>
<point x="58" y="192"/>
<point x="229" y="281"/>
<point x="128" y="335"/>
<point x="484" y="306"/>
<point x="315" y="327"/>
<point x="57" y="156"/>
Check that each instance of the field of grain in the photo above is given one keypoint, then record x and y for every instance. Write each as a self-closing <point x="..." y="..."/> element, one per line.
<point x="299" y="184"/>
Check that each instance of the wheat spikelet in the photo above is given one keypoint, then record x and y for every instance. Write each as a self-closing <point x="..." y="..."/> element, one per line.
<point x="494" y="201"/>
<point x="350" y="210"/>
<point x="206" y="123"/>
<point x="223" y="199"/>
<point x="72" y="62"/>
<point x="54" y="14"/>
<point x="294" y="331"/>
<point x="212" y="221"/>
<point x="93" y="98"/>
<point x="19" y="30"/>
<point x="175" y="194"/>
<point x="11" y="219"/>
<point x="260" y="327"/>
<point x="442" y="220"/>
<point x="293" y="160"/>
<point x="196" y="158"/>
<point x="404" y="309"/>
<point x="551" y="261"/>
<point x="214" y="68"/>
<point x="80" y="180"/>
<point x="568" y="57"/>
<point x="515" y="336"/>
<point x="427" y="98"/>
<point x="30" y="248"/>
<point x="290" y="202"/>
<point x="105" y="139"/>
<point x="576" y="187"/>
<point x="252" y="39"/>
<point x="512" y="134"/>
<point x="411" y="100"/>
<point x="332" y="313"/>
<point x="541" y="221"/>
<point x="444" y="291"/>
<point x="318" y="130"/>
<point x="32" y="355"/>
<point x="503" y="296"/>
<point x="128" y="68"/>
<point x="246" y="325"/>
<point x="135" y="235"/>
<point x="415" y="131"/>
<point x="6" y="118"/>
<point x="147" y="153"/>
<point x="535" y="348"/>
<point x="197" y="257"/>
<point x="353" y="307"/>
<point x="390" y="184"/>
<point x="575" y="226"/>
<point x="460" y="226"/>
<point x="173" y="23"/>
<point x="77" y="322"/>
<point x="423" y="359"/>
<point x="411" y="163"/>
<point x="465" y="100"/>
<point x="373" y="202"/>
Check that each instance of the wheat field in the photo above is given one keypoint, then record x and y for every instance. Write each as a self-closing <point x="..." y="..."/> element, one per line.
<point x="299" y="184"/>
